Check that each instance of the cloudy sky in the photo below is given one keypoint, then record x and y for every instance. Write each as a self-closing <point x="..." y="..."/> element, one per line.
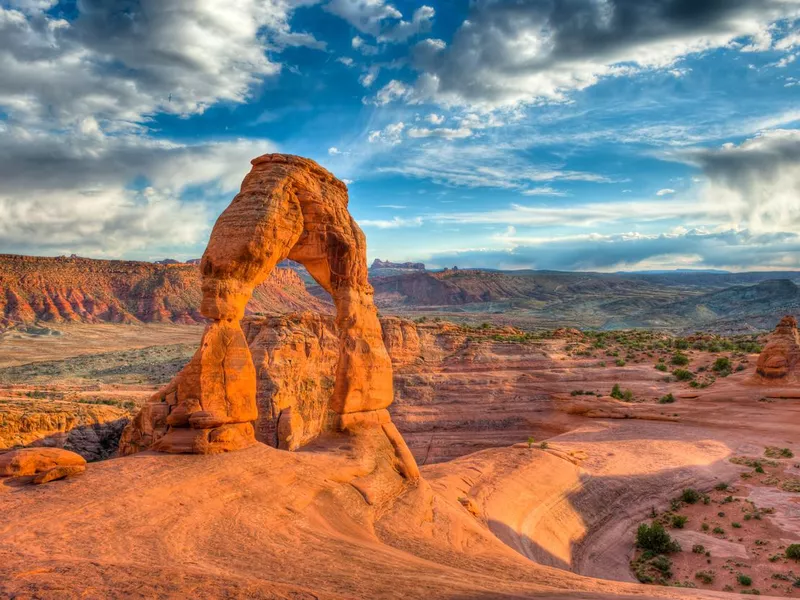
<point x="551" y="134"/>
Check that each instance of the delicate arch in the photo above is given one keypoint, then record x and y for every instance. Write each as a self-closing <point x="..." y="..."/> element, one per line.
<point x="288" y="207"/>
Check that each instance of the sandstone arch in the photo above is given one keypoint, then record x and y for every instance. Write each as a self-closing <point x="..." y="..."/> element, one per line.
<point x="288" y="207"/>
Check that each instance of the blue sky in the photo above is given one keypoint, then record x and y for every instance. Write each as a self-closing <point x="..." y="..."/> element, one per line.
<point x="552" y="134"/>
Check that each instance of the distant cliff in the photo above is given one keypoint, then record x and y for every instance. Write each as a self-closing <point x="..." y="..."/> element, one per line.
<point x="406" y="266"/>
<point x="83" y="290"/>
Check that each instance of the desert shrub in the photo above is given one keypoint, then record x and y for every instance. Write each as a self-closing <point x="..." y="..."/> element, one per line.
<point x="705" y="576"/>
<point x="681" y="344"/>
<point x="668" y="399"/>
<point x="718" y="531"/>
<point x="699" y="549"/>
<point x="678" y="521"/>
<point x="721" y="486"/>
<point x="663" y="564"/>
<point x="544" y="445"/>
<point x="679" y="359"/>
<point x="620" y="362"/>
<point x="736" y="525"/>
<point x="744" y="579"/>
<point x="793" y="552"/>
<point x="661" y="367"/>
<point x="531" y="442"/>
<point x="683" y="375"/>
<point x="616" y="392"/>
<point x="722" y="366"/>
<point x="690" y="496"/>
<point x="775" y="452"/>
<point x="655" y="539"/>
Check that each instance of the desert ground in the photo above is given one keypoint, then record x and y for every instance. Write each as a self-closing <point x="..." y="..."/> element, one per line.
<point x="534" y="477"/>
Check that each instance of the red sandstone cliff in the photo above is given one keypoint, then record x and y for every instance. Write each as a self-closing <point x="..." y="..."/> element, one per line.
<point x="64" y="290"/>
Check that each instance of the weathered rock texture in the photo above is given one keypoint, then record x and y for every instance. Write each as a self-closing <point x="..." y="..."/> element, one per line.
<point x="32" y="461"/>
<point x="91" y="430"/>
<point x="81" y="290"/>
<point x="288" y="207"/>
<point x="781" y="355"/>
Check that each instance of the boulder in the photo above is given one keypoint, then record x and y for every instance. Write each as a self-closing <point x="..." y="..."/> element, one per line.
<point x="781" y="354"/>
<point x="31" y="461"/>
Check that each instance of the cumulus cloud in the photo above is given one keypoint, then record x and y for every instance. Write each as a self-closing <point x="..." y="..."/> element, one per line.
<point x="421" y="22"/>
<point x="758" y="181"/>
<point x="80" y="170"/>
<point x="520" y="51"/>
<point x="365" y="15"/>
<point x="76" y="195"/>
<point x="392" y="91"/>
<point x="124" y="61"/>
<point x="665" y="192"/>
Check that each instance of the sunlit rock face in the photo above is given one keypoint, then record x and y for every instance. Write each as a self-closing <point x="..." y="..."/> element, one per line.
<point x="288" y="207"/>
<point x="780" y="356"/>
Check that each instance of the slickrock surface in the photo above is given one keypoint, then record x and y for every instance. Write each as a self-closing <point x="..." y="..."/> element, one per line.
<point x="780" y="357"/>
<point x="82" y="290"/>
<point x="263" y="523"/>
<point x="288" y="207"/>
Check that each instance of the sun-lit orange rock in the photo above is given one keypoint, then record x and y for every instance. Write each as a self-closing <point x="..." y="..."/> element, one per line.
<point x="30" y="461"/>
<point x="781" y="355"/>
<point x="288" y="207"/>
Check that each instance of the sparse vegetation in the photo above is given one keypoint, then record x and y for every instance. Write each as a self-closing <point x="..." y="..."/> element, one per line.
<point x="655" y="539"/>
<point x="668" y="399"/>
<point x="793" y="552"/>
<point x="679" y="359"/>
<point x="690" y="496"/>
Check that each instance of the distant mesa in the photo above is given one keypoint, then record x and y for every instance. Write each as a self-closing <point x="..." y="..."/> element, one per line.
<point x="405" y="266"/>
<point x="781" y="355"/>
<point x="167" y="261"/>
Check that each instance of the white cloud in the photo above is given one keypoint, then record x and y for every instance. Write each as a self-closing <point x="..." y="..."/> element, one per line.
<point x="508" y="52"/>
<point x="435" y="119"/>
<point x="368" y="78"/>
<point x="346" y="61"/>
<point x="391" y="134"/>
<point x="365" y="15"/>
<point x="421" y="22"/>
<point x="757" y="181"/>
<point x="440" y="132"/>
<point x="543" y="191"/>
<point x="366" y="49"/>
<point x="333" y="151"/>
<point x="392" y="91"/>
<point x="665" y="192"/>
<point x="394" y="223"/>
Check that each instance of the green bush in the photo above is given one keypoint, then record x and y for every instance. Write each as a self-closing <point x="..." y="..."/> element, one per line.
<point x="616" y="392"/>
<point x="655" y="539"/>
<point x="793" y="552"/>
<point x="722" y="364"/>
<point x="690" y="496"/>
<point x="705" y="576"/>
<point x="744" y="579"/>
<point x="678" y="521"/>
<point x="620" y="363"/>
<point x="668" y="399"/>
<point x="661" y="367"/>
<point x="699" y="549"/>
<point x="680" y="359"/>
<point x="683" y="375"/>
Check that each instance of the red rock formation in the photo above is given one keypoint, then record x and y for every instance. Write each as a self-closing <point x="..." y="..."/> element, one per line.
<point x="781" y="355"/>
<point x="32" y="461"/>
<point x="288" y="207"/>
<point x="64" y="290"/>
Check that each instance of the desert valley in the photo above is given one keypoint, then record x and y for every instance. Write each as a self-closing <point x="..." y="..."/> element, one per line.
<point x="572" y="435"/>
